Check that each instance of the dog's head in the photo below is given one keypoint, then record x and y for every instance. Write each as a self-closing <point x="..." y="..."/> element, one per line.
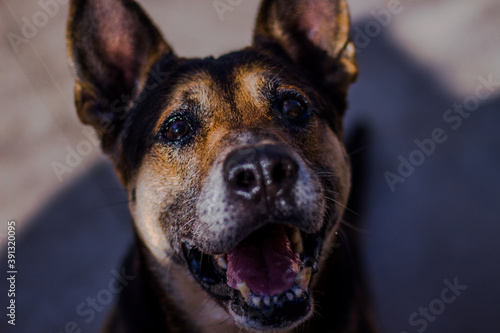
<point x="234" y="166"/>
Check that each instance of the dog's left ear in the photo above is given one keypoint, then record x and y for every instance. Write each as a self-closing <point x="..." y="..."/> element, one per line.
<point x="112" y="45"/>
<point x="315" y="35"/>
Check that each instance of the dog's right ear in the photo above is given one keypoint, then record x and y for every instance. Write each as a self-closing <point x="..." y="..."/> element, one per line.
<point x="112" y="45"/>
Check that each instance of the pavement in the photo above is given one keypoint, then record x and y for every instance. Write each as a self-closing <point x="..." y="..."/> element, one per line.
<point x="430" y="232"/>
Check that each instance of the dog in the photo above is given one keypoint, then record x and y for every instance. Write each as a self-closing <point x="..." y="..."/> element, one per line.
<point x="236" y="173"/>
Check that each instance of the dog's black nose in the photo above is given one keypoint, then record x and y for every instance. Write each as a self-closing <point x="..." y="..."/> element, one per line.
<point x="263" y="170"/>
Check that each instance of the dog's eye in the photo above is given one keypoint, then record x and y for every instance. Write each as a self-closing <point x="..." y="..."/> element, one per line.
<point x="293" y="109"/>
<point x="177" y="129"/>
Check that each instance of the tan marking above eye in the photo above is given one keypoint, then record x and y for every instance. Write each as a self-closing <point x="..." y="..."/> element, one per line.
<point x="254" y="82"/>
<point x="198" y="87"/>
<point x="250" y="103"/>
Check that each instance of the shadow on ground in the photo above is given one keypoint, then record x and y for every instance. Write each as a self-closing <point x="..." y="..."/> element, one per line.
<point x="68" y="252"/>
<point x="441" y="223"/>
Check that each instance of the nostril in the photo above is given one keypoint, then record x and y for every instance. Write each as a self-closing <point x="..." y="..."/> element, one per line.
<point x="284" y="171"/>
<point x="244" y="179"/>
<point x="268" y="171"/>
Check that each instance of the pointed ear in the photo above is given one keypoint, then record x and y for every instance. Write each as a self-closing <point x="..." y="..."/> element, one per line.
<point x="112" y="45"/>
<point x="315" y="35"/>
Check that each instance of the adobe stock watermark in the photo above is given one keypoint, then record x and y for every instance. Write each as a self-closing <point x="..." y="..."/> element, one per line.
<point x="30" y="26"/>
<point x="74" y="156"/>
<point x="88" y="308"/>
<point x="11" y="272"/>
<point x="382" y="19"/>
<point x="420" y="319"/>
<point x="119" y="111"/>
<point x="453" y="118"/>
<point x="224" y="6"/>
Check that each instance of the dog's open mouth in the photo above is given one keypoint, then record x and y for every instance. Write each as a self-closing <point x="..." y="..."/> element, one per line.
<point x="264" y="280"/>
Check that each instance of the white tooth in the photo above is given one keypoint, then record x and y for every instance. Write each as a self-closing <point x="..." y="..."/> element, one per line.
<point x="295" y="237"/>
<point x="289" y="295"/>
<point x="303" y="277"/>
<point x="275" y="299"/>
<point x="221" y="261"/>
<point x="256" y="301"/>
<point x="244" y="290"/>
<point x="267" y="300"/>
<point x="298" y="248"/>
<point x="297" y="292"/>
<point x="296" y="240"/>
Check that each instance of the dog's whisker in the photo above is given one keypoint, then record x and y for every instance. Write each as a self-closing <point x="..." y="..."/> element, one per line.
<point x="223" y="321"/>
<point x="206" y="302"/>
<point x="184" y="225"/>
<point x="353" y="227"/>
<point x="344" y="239"/>
<point x="274" y="77"/>
<point x="342" y="205"/>
<point x="330" y="191"/>
<point x="359" y="150"/>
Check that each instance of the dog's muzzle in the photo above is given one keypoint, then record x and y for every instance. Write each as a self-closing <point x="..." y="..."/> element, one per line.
<point x="259" y="238"/>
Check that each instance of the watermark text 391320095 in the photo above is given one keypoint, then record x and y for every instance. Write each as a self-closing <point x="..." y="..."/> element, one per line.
<point x="11" y="272"/>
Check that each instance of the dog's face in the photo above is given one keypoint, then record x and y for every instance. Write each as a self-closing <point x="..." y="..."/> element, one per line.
<point x="242" y="178"/>
<point x="234" y="166"/>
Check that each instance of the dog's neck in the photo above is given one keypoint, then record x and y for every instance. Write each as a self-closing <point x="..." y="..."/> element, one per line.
<point x="144" y="305"/>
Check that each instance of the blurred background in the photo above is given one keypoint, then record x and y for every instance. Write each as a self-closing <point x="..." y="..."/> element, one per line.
<point x="428" y="97"/>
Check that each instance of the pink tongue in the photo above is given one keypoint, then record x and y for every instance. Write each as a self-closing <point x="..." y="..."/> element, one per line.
<point x="264" y="261"/>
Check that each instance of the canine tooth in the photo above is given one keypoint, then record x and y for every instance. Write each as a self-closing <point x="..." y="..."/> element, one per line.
<point x="267" y="300"/>
<point x="303" y="277"/>
<point x="297" y="292"/>
<point x="295" y="236"/>
<point x="221" y="261"/>
<point x="256" y="301"/>
<point x="244" y="290"/>
<point x="298" y="248"/>
<point x="275" y="299"/>
<point x="296" y="240"/>
<point x="289" y="295"/>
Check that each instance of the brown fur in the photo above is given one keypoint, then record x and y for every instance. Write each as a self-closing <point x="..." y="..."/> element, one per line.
<point x="130" y="87"/>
